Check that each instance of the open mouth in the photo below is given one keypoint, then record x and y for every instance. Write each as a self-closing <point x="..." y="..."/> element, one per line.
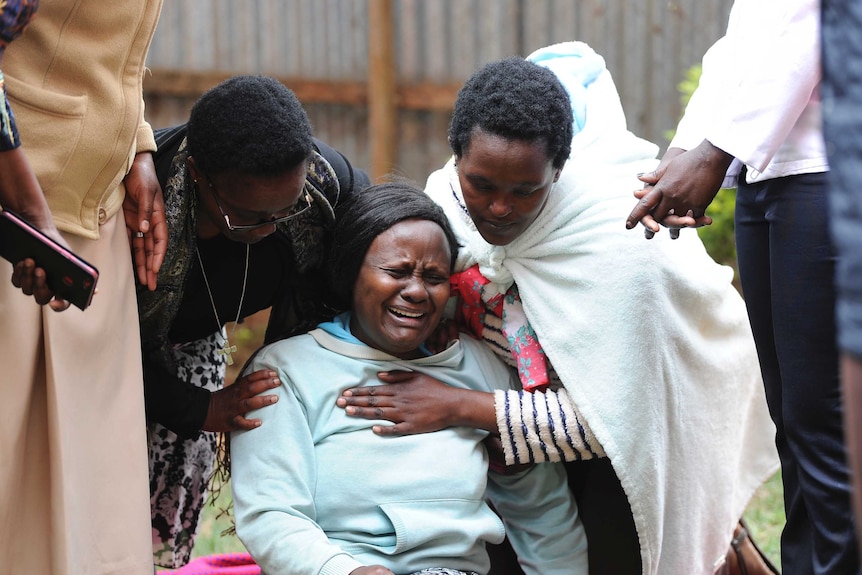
<point x="405" y="314"/>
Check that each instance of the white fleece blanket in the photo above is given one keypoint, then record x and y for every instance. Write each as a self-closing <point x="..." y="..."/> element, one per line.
<point x="650" y="338"/>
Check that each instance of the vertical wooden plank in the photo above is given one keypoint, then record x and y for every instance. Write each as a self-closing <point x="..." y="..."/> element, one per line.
<point x="319" y="34"/>
<point x="633" y="76"/>
<point x="663" y="68"/>
<point x="164" y="46"/>
<point x="491" y="35"/>
<point x="335" y="63"/>
<point x="359" y="43"/>
<point x="408" y="40"/>
<point x="562" y="27"/>
<point x="268" y="37"/>
<point x="221" y="35"/>
<point x="291" y="40"/>
<point x="306" y="38"/>
<point x="443" y="36"/>
<point x="382" y="113"/>
<point x="536" y="21"/>
<point x="200" y="38"/>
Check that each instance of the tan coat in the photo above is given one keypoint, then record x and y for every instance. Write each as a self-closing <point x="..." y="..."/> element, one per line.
<point x="73" y="453"/>
<point x="79" y="126"/>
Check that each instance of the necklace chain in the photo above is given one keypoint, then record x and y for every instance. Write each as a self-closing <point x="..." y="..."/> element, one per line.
<point x="227" y="349"/>
<point x="458" y="200"/>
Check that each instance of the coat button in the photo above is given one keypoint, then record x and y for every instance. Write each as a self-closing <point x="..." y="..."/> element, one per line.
<point x="103" y="216"/>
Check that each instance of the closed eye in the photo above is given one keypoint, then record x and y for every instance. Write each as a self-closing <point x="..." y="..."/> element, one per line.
<point x="480" y="184"/>
<point x="525" y="193"/>
<point x="397" y="273"/>
<point x="436" y="279"/>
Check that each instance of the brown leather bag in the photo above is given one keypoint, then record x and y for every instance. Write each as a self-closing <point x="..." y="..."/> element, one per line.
<point x="744" y="557"/>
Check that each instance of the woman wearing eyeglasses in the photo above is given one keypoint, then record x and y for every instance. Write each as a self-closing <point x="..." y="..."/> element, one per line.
<point x="249" y="198"/>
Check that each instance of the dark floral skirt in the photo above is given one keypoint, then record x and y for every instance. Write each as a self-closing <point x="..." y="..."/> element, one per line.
<point x="443" y="571"/>
<point x="180" y="469"/>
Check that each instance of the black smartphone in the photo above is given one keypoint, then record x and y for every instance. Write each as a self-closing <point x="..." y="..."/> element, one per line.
<point x="69" y="277"/>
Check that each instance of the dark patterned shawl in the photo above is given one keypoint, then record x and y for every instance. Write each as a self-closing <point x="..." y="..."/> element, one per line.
<point x="307" y="235"/>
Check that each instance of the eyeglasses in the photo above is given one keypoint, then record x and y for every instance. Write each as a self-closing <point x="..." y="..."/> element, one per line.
<point x="303" y="204"/>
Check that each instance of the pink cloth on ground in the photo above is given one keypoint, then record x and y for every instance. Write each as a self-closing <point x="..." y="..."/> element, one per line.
<point x="220" y="564"/>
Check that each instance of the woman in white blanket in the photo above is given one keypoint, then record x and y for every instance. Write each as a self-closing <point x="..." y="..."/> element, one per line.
<point x="660" y="418"/>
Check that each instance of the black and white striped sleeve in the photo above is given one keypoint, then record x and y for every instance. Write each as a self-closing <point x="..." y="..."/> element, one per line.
<point x="543" y="426"/>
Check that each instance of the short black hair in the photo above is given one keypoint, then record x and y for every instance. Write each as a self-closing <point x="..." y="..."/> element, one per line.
<point x="369" y="213"/>
<point x="251" y="125"/>
<point x="516" y="99"/>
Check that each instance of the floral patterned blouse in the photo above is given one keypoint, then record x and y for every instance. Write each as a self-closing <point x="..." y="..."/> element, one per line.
<point x="14" y="17"/>
<point x="475" y="301"/>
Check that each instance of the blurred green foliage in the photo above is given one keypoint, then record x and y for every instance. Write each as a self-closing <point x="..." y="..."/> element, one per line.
<point x="719" y="236"/>
<point x="690" y="80"/>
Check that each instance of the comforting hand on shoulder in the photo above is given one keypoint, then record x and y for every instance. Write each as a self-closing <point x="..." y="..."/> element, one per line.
<point x="229" y="405"/>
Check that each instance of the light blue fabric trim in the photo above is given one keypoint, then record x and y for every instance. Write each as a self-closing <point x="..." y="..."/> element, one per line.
<point x="339" y="328"/>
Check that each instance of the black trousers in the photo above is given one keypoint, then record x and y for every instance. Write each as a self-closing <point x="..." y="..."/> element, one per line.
<point x="612" y="540"/>
<point x="786" y="267"/>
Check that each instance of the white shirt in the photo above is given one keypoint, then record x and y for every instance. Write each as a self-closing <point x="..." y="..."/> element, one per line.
<point x="759" y="94"/>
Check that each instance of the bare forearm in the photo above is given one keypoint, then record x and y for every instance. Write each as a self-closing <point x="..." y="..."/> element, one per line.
<point x="20" y="191"/>
<point x="474" y="409"/>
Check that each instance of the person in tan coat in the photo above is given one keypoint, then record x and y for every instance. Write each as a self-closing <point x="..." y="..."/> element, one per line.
<point x="73" y="455"/>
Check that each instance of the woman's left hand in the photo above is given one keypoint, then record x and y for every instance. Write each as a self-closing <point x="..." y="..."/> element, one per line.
<point x="418" y="403"/>
<point x="144" y="212"/>
<point x="414" y="402"/>
<point x="229" y="405"/>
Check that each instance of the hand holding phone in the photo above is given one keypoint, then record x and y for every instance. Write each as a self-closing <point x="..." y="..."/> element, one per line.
<point x="67" y="275"/>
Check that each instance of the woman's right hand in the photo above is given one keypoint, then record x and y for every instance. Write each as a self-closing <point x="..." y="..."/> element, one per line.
<point x="229" y="405"/>
<point x="32" y="280"/>
<point x="372" y="570"/>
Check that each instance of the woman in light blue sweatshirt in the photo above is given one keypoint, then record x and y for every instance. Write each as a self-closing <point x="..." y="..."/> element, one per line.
<point x="316" y="492"/>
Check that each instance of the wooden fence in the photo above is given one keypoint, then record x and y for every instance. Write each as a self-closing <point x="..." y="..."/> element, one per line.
<point x="379" y="77"/>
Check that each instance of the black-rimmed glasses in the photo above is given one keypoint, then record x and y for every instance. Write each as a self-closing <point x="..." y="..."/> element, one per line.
<point x="303" y="204"/>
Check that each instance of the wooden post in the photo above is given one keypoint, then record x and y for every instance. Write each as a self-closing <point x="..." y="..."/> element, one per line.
<point x="382" y="105"/>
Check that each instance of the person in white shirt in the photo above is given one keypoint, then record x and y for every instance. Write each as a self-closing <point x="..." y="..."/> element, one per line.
<point x="755" y="122"/>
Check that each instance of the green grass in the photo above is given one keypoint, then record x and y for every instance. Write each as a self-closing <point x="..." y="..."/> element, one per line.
<point x="211" y="537"/>
<point x="764" y="516"/>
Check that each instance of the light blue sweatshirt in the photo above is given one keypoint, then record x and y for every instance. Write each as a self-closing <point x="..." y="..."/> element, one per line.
<point x="317" y="492"/>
